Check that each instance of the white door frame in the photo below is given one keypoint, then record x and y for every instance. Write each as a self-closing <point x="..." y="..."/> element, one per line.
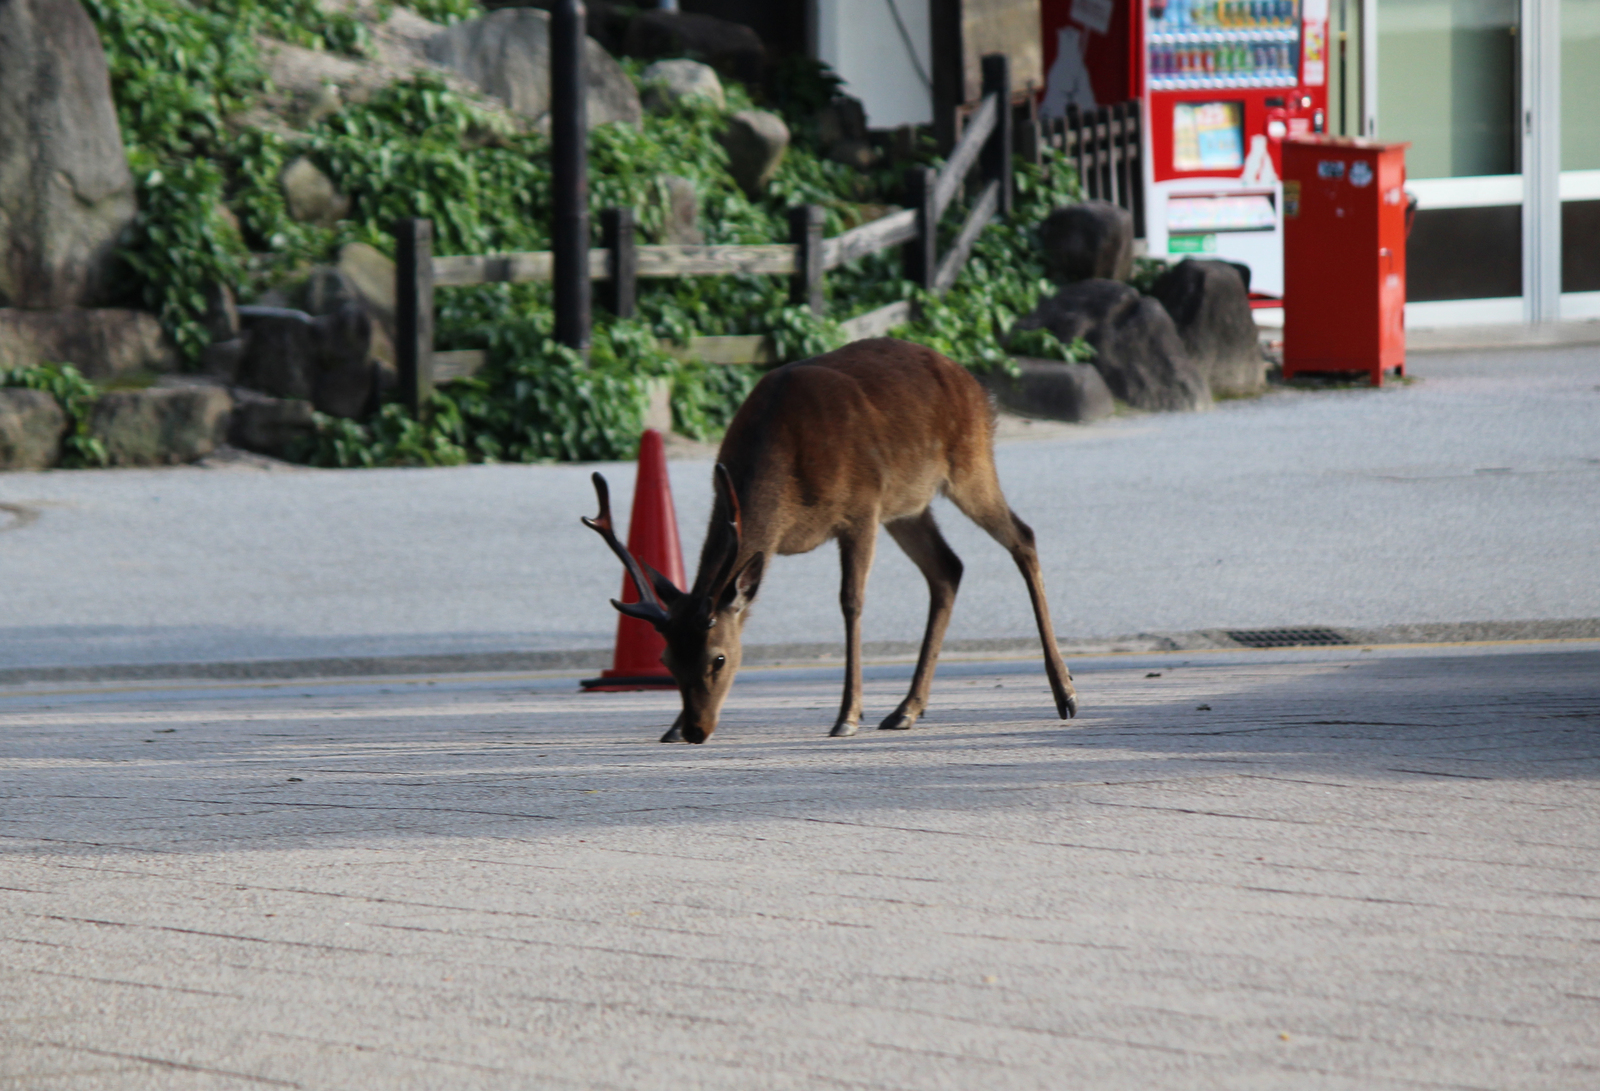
<point x="1541" y="160"/>
<point x="1540" y="34"/>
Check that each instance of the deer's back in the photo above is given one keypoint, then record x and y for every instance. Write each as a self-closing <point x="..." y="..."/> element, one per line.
<point x="877" y="427"/>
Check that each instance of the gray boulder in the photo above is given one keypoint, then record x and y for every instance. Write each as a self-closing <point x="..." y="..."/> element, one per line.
<point x="731" y="48"/>
<point x="371" y="274"/>
<point x="161" y="426"/>
<point x="1052" y="390"/>
<point x="220" y="360"/>
<point x="507" y="54"/>
<point x="311" y="195"/>
<point x="280" y="427"/>
<point x="667" y="83"/>
<point x="1086" y="241"/>
<point x="680" y="212"/>
<point x="325" y="359"/>
<point x="103" y="343"/>
<point x="842" y="132"/>
<point x="755" y="142"/>
<point x="66" y="193"/>
<point x="280" y="356"/>
<point x="1209" y="303"/>
<point x="1137" y="348"/>
<point x="31" y="427"/>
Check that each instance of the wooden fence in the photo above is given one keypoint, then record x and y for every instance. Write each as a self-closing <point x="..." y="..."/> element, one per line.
<point x="986" y="146"/>
<point x="1105" y="144"/>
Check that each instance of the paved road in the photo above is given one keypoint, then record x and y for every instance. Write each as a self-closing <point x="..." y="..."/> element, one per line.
<point x="1470" y="495"/>
<point x="1333" y="869"/>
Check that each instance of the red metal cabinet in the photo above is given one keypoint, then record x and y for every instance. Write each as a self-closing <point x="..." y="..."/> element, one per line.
<point x="1344" y="256"/>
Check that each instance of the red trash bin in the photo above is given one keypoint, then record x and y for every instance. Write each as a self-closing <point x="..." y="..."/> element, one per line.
<point x="1344" y="256"/>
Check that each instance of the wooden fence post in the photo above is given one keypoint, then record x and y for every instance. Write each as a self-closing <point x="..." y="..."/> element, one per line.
<point x="995" y="160"/>
<point x="921" y="254"/>
<point x="805" y="231"/>
<point x="569" y="175"/>
<point x="1135" y="116"/>
<point x="622" y="266"/>
<point x="413" y="311"/>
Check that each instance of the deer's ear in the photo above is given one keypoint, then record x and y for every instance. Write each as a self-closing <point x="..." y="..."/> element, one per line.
<point x="744" y="585"/>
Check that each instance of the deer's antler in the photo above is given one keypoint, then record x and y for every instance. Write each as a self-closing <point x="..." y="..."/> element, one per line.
<point x="649" y="607"/>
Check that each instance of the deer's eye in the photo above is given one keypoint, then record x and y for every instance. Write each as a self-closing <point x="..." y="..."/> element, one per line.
<point x="717" y="663"/>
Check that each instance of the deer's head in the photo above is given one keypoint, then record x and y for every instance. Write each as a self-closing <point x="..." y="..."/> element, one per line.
<point x="702" y="626"/>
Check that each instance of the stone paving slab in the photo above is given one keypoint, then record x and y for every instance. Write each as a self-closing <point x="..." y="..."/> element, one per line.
<point x="1320" y="869"/>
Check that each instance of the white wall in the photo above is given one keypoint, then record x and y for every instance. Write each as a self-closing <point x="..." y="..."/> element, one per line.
<point x="861" y="42"/>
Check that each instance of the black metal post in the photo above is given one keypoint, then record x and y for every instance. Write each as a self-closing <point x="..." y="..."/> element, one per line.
<point x="921" y="254"/>
<point x="622" y="265"/>
<point x="1135" y="133"/>
<point x="413" y="311"/>
<point x="805" y="231"/>
<point x="994" y="162"/>
<point x="569" y="174"/>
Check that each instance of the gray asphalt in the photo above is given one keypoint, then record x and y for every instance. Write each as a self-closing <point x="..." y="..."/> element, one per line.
<point x="1334" y="869"/>
<point x="1472" y="494"/>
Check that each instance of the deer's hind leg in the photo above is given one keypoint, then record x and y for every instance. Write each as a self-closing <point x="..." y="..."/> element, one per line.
<point x="919" y="536"/>
<point x="978" y="495"/>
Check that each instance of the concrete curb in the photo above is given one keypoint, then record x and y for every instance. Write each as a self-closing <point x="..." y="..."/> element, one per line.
<point x="590" y="659"/>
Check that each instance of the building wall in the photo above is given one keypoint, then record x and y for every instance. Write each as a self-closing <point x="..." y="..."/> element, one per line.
<point x="885" y="65"/>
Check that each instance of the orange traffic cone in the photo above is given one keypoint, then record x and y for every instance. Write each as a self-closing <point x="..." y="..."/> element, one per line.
<point x="652" y="539"/>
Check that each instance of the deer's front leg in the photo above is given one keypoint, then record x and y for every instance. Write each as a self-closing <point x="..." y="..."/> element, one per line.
<point x="855" y="561"/>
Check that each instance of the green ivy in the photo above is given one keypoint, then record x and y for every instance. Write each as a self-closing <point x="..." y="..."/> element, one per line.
<point x="212" y="211"/>
<point x="76" y="396"/>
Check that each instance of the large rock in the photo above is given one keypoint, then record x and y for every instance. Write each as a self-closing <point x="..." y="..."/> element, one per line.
<point x="1209" y="302"/>
<point x="371" y="274"/>
<point x="507" y="54"/>
<point x="311" y="195"/>
<point x="31" y="427"/>
<point x="65" y="190"/>
<point x="161" y="426"/>
<point x="755" y="142"/>
<point x="1137" y="348"/>
<point x="280" y="427"/>
<point x="680" y="212"/>
<point x="842" y="132"/>
<point x="1088" y="241"/>
<point x="102" y="343"/>
<point x="280" y="356"/>
<point x="1052" y="390"/>
<point x="325" y="359"/>
<point x="667" y="83"/>
<point x="731" y="48"/>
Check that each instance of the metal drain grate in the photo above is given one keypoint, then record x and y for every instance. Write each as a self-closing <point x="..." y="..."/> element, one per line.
<point x="1284" y="638"/>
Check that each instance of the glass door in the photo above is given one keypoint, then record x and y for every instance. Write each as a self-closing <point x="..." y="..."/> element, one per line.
<point x="1449" y="81"/>
<point x="1580" y="159"/>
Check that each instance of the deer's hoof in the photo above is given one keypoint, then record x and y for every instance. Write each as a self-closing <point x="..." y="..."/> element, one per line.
<point x="1067" y="706"/>
<point x="674" y="734"/>
<point x="843" y="729"/>
<point x="897" y="721"/>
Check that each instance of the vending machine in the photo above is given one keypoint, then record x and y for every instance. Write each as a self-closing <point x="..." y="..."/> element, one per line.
<point x="1224" y="82"/>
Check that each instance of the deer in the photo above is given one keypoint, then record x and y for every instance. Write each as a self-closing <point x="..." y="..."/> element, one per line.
<point x="832" y="447"/>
